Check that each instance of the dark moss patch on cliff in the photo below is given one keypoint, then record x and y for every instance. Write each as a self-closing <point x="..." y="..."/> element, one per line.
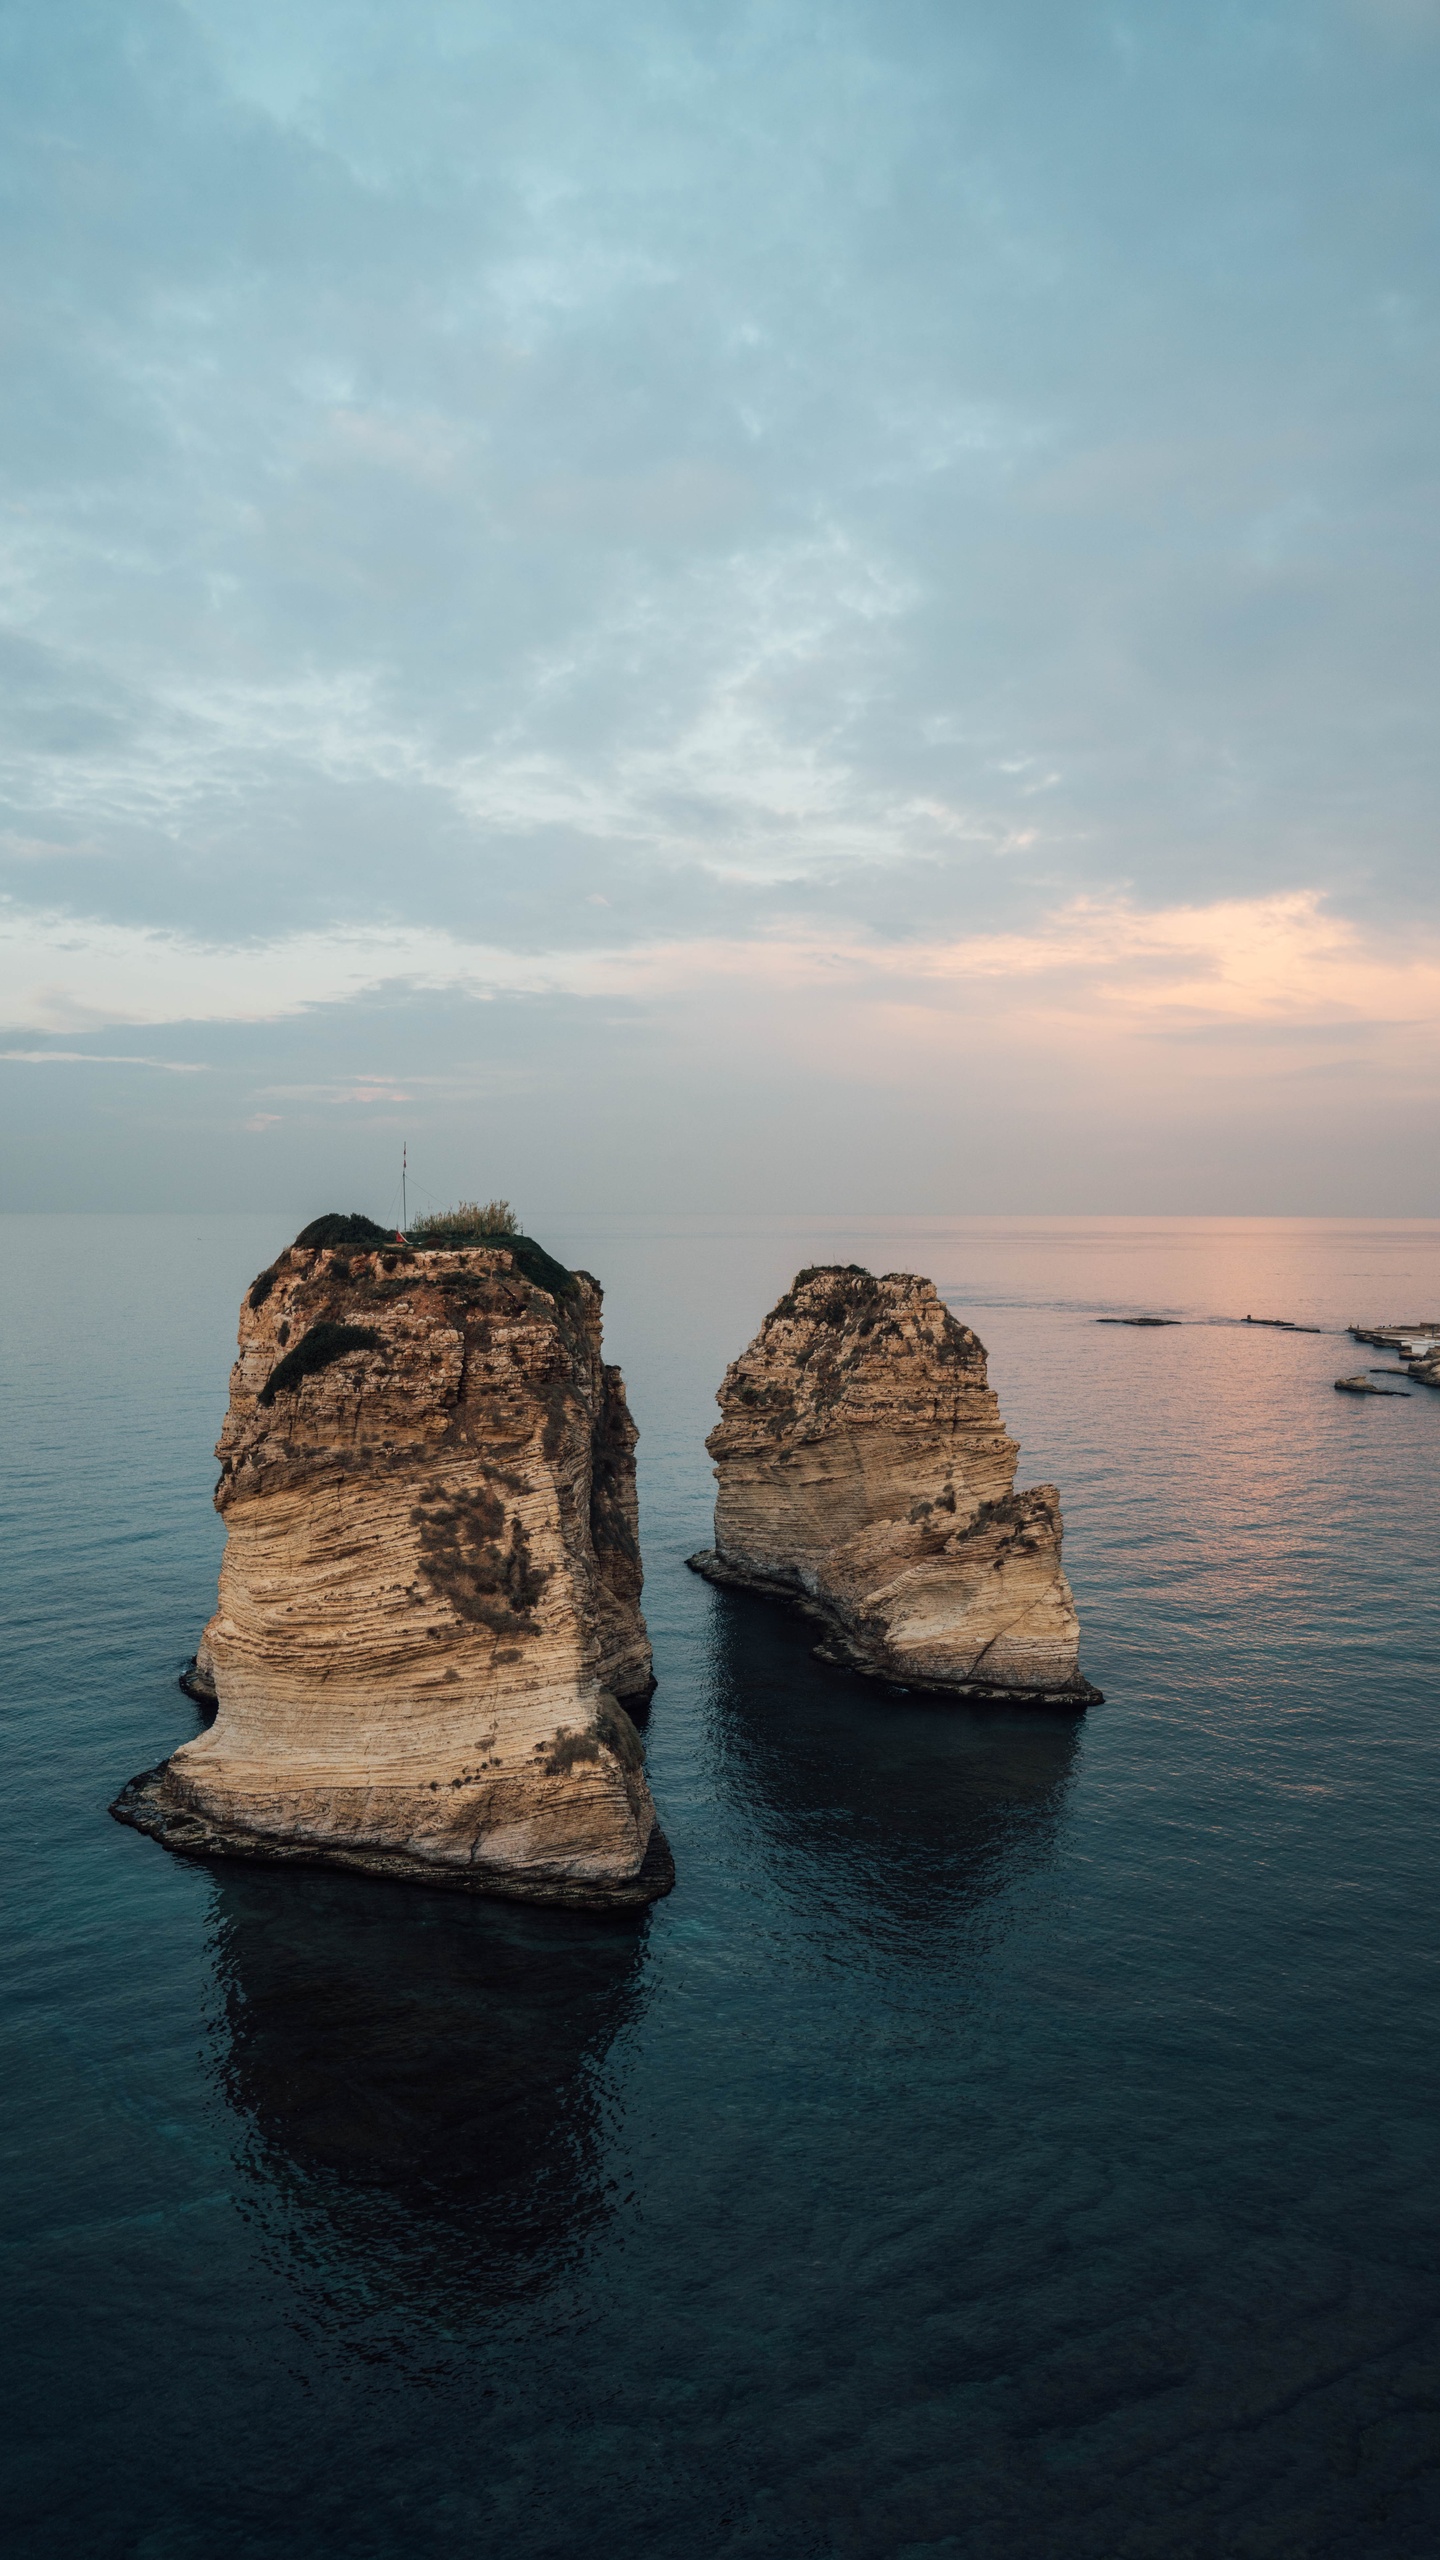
<point x="840" y="1300"/>
<point x="560" y="1403"/>
<point x="260" y="1289"/>
<point x="610" y="1531"/>
<point x="334" y="1228"/>
<point x="467" y="1558"/>
<point x="619" y="1735"/>
<point x="613" y="1729"/>
<point x="541" y="1267"/>
<point x="316" y="1350"/>
<point x="566" y="1749"/>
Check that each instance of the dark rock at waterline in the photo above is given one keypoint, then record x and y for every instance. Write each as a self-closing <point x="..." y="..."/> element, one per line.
<point x="143" y="1805"/>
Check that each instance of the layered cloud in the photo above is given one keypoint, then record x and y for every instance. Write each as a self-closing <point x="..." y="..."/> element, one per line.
<point x="1282" y="963"/>
<point x="824" y="537"/>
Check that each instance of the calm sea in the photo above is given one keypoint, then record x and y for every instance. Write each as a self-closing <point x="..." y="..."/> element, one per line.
<point x="1014" y="2140"/>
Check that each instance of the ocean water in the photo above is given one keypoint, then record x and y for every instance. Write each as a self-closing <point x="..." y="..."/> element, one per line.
<point x="1015" y="2136"/>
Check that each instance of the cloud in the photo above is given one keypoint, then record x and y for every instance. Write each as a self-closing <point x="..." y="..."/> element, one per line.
<point x="924" y="513"/>
<point x="100" y="1058"/>
<point x="1104" y="992"/>
<point x="1238" y="961"/>
<point x="1088" y="969"/>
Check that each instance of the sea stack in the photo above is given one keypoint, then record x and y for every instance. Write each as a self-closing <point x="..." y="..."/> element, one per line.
<point x="865" y="1475"/>
<point x="429" y="1608"/>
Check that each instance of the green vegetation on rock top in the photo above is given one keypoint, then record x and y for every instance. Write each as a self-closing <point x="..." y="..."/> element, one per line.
<point x="469" y="1222"/>
<point x="335" y="1229"/>
<point x="492" y="1223"/>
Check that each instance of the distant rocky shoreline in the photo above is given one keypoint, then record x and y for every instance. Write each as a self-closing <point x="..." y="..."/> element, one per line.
<point x="1417" y="1344"/>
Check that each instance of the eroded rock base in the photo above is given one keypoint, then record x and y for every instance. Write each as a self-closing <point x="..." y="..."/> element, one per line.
<point x="198" y="1684"/>
<point x="840" y="1647"/>
<point x="143" y="1806"/>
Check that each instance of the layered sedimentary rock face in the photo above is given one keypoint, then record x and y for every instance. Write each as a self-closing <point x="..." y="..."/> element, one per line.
<point x="864" y="1472"/>
<point x="429" y="1608"/>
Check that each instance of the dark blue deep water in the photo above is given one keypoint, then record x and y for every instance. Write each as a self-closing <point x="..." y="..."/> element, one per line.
<point x="1016" y="2136"/>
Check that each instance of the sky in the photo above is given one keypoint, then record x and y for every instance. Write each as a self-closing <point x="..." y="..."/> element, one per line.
<point x="699" y="606"/>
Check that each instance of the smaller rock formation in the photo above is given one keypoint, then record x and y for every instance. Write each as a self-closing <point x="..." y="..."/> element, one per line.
<point x="429" y="1609"/>
<point x="865" y="1475"/>
<point x="1360" y="1385"/>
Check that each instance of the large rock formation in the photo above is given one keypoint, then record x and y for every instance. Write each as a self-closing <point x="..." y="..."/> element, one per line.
<point x="429" y="1606"/>
<point x="864" y="1473"/>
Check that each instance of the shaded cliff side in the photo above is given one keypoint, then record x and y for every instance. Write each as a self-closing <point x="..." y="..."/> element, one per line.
<point x="865" y="1474"/>
<point x="429" y="1608"/>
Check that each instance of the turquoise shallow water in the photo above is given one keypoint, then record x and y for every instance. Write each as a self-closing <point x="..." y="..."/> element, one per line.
<point x="1016" y="2135"/>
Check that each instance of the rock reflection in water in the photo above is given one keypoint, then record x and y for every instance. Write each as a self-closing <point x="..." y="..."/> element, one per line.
<point x="424" y="2076"/>
<point x="900" y="1814"/>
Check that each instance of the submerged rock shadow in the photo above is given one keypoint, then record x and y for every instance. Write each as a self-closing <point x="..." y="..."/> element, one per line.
<point x="423" y="2078"/>
<point x="900" y="1814"/>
